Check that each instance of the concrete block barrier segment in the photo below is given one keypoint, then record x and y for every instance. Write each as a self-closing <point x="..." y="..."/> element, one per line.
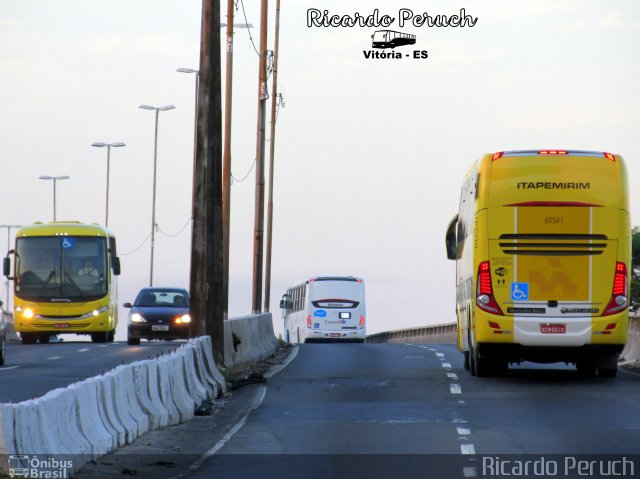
<point x="248" y="339"/>
<point x="133" y="405"/>
<point x="631" y="350"/>
<point x="207" y="381"/>
<point x="88" y="416"/>
<point x="178" y="387"/>
<point x="7" y="441"/>
<point x="121" y="403"/>
<point x="210" y="364"/>
<point x="28" y="437"/>
<point x="141" y="381"/>
<point x="196" y="390"/>
<point x="154" y="392"/>
<point x="164" y="390"/>
<point x="109" y="410"/>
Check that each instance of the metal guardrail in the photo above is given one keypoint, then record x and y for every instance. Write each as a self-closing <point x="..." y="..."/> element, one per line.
<point x="439" y="333"/>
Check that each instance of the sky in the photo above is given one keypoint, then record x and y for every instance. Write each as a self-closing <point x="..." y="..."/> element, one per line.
<point x="370" y="152"/>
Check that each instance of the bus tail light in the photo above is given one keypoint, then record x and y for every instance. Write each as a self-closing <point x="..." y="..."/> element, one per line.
<point x="484" y="297"/>
<point x="618" y="300"/>
<point x="309" y="321"/>
<point x="361" y="322"/>
<point x="497" y="156"/>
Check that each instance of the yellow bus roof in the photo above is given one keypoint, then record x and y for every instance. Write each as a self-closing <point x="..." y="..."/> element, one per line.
<point x="63" y="228"/>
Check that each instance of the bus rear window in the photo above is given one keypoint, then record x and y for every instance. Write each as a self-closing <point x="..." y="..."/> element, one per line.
<point x="335" y="303"/>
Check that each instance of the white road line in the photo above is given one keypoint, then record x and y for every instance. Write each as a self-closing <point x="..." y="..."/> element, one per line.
<point x="276" y="369"/>
<point x="440" y="355"/>
<point x="9" y="367"/>
<point x="452" y="375"/>
<point x="259" y="397"/>
<point x="462" y="431"/>
<point x="53" y="358"/>
<point x="83" y="350"/>
<point x="455" y="388"/>
<point x="467" y="449"/>
<point x="446" y="365"/>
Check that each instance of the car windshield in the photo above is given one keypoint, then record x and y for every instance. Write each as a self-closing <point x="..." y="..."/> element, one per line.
<point x="61" y="268"/>
<point x="162" y="298"/>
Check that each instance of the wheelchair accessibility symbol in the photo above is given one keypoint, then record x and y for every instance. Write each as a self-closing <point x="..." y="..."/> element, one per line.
<point x="520" y="291"/>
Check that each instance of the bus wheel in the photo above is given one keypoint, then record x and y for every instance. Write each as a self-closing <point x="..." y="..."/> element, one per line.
<point x="133" y="341"/>
<point x="586" y="369"/>
<point x="99" y="337"/>
<point x="28" y="338"/>
<point x="111" y="335"/>
<point x="2" y="353"/>
<point x="44" y="339"/>
<point x="466" y="360"/>
<point x="608" y="366"/>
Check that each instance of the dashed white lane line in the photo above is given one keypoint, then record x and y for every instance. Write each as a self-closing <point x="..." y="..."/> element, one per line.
<point x="470" y="471"/>
<point x="446" y="365"/>
<point x="467" y="449"/>
<point x="440" y="355"/>
<point x="83" y="350"/>
<point x="53" y="358"/>
<point x="452" y="375"/>
<point x="463" y="431"/>
<point x="9" y="367"/>
<point x="455" y="388"/>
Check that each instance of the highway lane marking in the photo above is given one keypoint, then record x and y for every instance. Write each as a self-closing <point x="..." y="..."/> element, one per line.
<point x="84" y="350"/>
<point x="452" y="375"/>
<point x="9" y="367"/>
<point x="259" y="397"/>
<point x="440" y="355"/>
<point x="455" y="389"/>
<point x="446" y="365"/>
<point x="467" y="449"/>
<point x="463" y="431"/>
<point x="53" y="358"/>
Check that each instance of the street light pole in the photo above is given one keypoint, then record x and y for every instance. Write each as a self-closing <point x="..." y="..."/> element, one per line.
<point x="54" y="179"/>
<point x="155" y="167"/>
<point x="108" y="146"/>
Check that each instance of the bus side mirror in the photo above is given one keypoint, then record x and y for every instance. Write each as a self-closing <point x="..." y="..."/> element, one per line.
<point x="283" y="304"/>
<point x="115" y="265"/>
<point x="6" y="267"/>
<point x="450" y="238"/>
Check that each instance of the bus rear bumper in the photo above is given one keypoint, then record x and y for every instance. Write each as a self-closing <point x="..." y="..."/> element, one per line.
<point x="516" y="353"/>
<point x="339" y="335"/>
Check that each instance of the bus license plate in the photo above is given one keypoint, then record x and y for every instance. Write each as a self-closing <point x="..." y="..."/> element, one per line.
<point x="335" y="335"/>
<point x="553" y="328"/>
<point x="163" y="327"/>
<point x="61" y="325"/>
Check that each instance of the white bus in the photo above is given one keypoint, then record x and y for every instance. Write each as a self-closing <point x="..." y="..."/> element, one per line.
<point x="326" y="308"/>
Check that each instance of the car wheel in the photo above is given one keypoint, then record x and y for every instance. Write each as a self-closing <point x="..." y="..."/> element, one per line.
<point x="2" y="353"/>
<point x="133" y="341"/>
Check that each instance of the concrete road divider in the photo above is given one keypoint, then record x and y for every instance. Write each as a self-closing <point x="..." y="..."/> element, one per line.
<point x="439" y="333"/>
<point x="93" y="417"/>
<point x="248" y="339"/>
<point x="631" y="352"/>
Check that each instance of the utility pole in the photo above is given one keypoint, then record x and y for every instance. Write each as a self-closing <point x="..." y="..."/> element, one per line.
<point x="258" y="243"/>
<point x="274" y="103"/>
<point x="226" y="162"/>
<point x="206" y="256"/>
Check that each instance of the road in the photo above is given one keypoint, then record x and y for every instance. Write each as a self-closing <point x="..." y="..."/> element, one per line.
<point x="388" y="410"/>
<point x="33" y="370"/>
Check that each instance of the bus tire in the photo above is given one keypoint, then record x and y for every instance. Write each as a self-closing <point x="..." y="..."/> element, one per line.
<point x="111" y="335"/>
<point x="608" y="366"/>
<point x="466" y="360"/>
<point x="44" y="339"/>
<point x="28" y="338"/>
<point x="586" y="368"/>
<point x="99" y="337"/>
<point x="133" y="341"/>
<point x="2" y="353"/>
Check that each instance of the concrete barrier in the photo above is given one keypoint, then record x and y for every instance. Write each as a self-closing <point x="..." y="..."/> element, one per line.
<point x="248" y="339"/>
<point x="11" y="335"/>
<point x="631" y="352"/>
<point x="91" y="418"/>
<point x="439" y="333"/>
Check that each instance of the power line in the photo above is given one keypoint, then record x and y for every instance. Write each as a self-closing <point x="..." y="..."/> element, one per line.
<point x="136" y="249"/>
<point x="178" y="233"/>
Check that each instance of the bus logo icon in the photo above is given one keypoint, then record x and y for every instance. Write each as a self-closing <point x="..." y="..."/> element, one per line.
<point x="520" y="291"/>
<point x="391" y="39"/>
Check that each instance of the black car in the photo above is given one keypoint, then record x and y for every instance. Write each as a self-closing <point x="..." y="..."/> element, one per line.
<point x="159" y="313"/>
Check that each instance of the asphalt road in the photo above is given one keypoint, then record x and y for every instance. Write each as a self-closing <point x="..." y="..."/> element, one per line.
<point x="33" y="370"/>
<point x="386" y="410"/>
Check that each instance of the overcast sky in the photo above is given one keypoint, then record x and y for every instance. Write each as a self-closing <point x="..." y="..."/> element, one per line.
<point x="370" y="153"/>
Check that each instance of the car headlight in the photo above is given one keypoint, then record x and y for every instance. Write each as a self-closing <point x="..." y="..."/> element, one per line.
<point x="137" y="318"/>
<point x="184" y="319"/>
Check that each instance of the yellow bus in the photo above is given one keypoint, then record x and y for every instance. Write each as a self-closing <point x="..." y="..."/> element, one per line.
<point x="64" y="281"/>
<point x="542" y="246"/>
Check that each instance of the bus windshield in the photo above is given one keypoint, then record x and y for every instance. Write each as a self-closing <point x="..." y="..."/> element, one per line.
<point x="61" y="268"/>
